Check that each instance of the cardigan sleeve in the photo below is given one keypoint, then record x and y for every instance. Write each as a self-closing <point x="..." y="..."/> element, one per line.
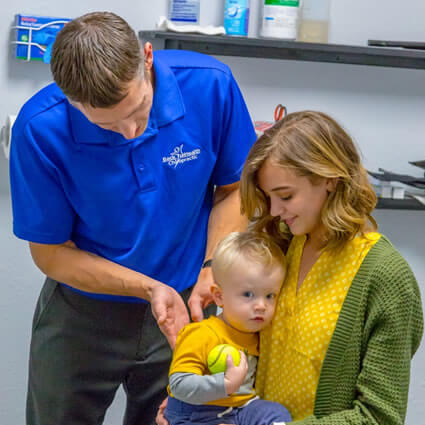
<point x="392" y="332"/>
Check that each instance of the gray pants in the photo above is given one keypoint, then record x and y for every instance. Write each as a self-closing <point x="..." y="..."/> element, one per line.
<point x="82" y="349"/>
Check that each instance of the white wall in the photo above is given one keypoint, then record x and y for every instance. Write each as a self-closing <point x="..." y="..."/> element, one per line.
<point x="382" y="108"/>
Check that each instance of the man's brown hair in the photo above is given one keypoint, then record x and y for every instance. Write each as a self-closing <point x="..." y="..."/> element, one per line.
<point x="95" y="57"/>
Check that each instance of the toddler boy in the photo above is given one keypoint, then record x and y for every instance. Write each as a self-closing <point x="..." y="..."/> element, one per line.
<point x="248" y="270"/>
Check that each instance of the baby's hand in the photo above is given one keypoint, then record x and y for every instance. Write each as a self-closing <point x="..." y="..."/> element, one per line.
<point x="235" y="375"/>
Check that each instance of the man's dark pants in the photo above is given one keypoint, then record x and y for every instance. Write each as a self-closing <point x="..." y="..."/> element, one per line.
<point x="82" y="349"/>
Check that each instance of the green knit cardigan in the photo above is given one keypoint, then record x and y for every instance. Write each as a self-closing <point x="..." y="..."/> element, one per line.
<point x="365" y="374"/>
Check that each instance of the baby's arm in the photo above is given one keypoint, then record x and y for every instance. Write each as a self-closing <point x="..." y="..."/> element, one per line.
<point x="200" y="389"/>
<point x="197" y="389"/>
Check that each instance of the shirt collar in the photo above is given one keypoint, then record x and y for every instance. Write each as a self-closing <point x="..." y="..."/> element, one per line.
<point x="168" y="103"/>
<point x="167" y="106"/>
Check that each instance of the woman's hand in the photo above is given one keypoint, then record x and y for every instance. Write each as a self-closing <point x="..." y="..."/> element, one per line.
<point x="160" y="418"/>
<point x="235" y="375"/>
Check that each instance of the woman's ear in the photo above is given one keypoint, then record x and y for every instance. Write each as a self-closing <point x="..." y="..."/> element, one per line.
<point x="217" y="294"/>
<point x="331" y="184"/>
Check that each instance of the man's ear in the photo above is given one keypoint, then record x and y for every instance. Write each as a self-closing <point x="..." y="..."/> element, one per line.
<point x="217" y="294"/>
<point x="148" y="56"/>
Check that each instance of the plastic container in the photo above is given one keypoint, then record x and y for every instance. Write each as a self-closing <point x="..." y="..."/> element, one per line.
<point x="280" y="19"/>
<point x="183" y="12"/>
<point x="236" y="17"/>
<point x="314" y="22"/>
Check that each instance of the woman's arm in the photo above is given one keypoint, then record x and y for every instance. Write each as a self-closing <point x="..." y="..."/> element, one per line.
<point x="392" y="332"/>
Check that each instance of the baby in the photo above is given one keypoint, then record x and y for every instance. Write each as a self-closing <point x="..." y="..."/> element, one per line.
<point x="248" y="270"/>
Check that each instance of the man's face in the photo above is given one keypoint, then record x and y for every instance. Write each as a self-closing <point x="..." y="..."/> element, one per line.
<point x="130" y="116"/>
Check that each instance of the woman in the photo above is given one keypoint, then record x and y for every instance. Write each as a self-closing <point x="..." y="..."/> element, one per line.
<point x="349" y="316"/>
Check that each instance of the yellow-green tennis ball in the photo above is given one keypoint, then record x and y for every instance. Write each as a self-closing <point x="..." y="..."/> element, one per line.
<point x="218" y="355"/>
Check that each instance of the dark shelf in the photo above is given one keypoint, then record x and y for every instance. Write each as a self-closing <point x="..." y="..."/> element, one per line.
<point x="289" y="50"/>
<point x="293" y="50"/>
<point x="400" y="204"/>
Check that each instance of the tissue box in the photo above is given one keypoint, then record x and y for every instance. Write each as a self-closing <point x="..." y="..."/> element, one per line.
<point x="34" y="35"/>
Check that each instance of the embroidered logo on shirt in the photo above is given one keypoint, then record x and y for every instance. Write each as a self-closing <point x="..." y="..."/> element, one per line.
<point x="178" y="156"/>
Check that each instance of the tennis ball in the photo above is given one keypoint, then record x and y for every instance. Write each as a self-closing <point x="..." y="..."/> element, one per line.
<point x="218" y="355"/>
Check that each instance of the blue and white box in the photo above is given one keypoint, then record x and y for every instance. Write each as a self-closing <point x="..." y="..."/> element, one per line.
<point x="35" y="36"/>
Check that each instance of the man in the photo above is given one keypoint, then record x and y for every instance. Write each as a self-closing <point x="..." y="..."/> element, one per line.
<point x="113" y="170"/>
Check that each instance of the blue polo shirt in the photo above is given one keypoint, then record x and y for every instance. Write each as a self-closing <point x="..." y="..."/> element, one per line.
<point x="142" y="203"/>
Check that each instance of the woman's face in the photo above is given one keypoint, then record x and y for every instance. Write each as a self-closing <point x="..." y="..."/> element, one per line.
<point x="295" y="199"/>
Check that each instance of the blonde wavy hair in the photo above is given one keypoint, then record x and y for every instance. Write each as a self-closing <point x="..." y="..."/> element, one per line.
<point x="313" y="145"/>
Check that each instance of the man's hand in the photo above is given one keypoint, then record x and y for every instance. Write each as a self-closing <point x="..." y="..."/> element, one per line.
<point x="169" y="311"/>
<point x="201" y="296"/>
<point x="160" y="418"/>
<point x="235" y="375"/>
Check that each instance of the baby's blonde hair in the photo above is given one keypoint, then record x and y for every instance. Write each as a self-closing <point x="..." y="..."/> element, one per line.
<point x="256" y="247"/>
<point x="313" y="145"/>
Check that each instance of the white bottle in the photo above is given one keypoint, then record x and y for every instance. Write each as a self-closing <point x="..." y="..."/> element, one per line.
<point x="183" y="12"/>
<point x="280" y="19"/>
<point x="314" y="22"/>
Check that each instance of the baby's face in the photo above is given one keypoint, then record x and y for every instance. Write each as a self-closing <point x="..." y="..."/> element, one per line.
<point x="249" y="295"/>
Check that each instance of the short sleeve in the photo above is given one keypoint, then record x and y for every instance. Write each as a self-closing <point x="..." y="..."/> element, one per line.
<point x="41" y="211"/>
<point x="236" y="136"/>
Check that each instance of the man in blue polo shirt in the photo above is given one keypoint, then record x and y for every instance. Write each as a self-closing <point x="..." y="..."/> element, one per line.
<point x="124" y="177"/>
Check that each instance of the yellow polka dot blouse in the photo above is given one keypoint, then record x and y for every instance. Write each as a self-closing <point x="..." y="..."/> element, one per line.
<point x="293" y="348"/>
